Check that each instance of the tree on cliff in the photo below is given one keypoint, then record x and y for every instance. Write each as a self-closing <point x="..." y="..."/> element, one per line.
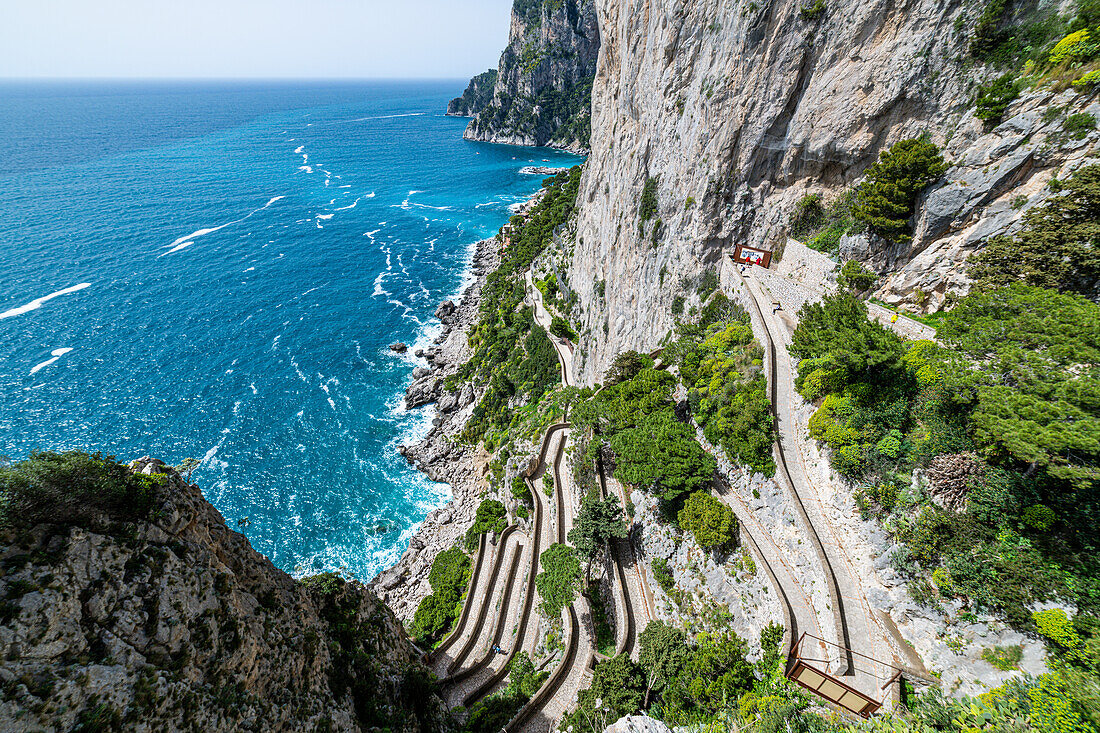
<point x="598" y="522"/>
<point x="836" y="335"/>
<point x="1057" y="247"/>
<point x="886" y="199"/>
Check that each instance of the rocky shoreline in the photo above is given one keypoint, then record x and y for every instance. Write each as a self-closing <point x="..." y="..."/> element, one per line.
<point x="439" y="455"/>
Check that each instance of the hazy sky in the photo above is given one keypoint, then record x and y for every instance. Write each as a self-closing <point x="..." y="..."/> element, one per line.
<point x="251" y="38"/>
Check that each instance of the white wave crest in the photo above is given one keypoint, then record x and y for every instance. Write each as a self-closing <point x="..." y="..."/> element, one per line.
<point x="37" y="302"/>
<point x="210" y="230"/>
<point x="177" y="248"/>
<point x="56" y="353"/>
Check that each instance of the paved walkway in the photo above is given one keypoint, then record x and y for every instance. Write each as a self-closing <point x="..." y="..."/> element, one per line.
<point x="793" y="294"/>
<point x="638" y="594"/>
<point x="543" y="318"/>
<point x="860" y="627"/>
<point x="571" y="675"/>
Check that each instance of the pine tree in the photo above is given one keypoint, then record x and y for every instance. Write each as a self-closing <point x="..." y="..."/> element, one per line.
<point x="886" y="199"/>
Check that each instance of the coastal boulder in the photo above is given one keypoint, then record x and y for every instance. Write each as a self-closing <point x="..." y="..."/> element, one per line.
<point x="399" y="347"/>
<point x="448" y="402"/>
<point x="445" y="309"/>
<point x="421" y="393"/>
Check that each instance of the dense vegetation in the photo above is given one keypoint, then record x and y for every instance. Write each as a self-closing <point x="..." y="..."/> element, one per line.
<point x="437" y="612"/>
<point x="650" y="448"/>
<point x="647" y="202"/>
<point x="721" y="364"/>
<point x="1057" y="248"/>
<point x="711" y="522"/>
<point x="491" y="714"/>
<point x="677" y="679"/>
<point x="992" y="99"/>
<point x="707" y="680"/>
<point x="513" y="356"/>
<point x="822" y="226"/>
<point x="1002" y="419"/>
<point x="73" y="487"/>
<point x="490" y="518"/>
<point x="598" y="522"/>
<point x="559" y="580"/>
<point x="855" y="277"/>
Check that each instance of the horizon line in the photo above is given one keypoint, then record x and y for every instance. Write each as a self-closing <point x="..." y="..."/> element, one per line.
<point x="228" y="78"/>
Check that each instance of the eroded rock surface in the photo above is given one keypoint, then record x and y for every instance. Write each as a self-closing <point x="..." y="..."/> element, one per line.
<point x="177" y="624"/>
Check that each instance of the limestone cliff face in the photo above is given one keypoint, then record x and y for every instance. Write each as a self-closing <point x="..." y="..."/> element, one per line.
<point x="478" y="94"/>
<point x="544" y="84"/>
<point x="738" y="109"/>
<point x="177" y="624"/>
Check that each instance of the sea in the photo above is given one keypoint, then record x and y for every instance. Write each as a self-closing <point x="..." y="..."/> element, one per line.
<point x="216" y="271"/>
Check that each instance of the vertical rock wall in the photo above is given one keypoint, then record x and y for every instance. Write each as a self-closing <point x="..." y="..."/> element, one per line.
<point x="740" y="107"/>
<point x="542" y="93"/>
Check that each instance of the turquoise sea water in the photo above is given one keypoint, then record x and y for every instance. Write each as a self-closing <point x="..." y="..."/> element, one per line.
<point x="216" y="271"/>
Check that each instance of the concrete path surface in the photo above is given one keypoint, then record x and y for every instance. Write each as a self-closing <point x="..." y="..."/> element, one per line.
<point x="861" y="630"/>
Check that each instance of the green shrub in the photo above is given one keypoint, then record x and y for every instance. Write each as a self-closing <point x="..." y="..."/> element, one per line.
<point x="647" y="203"/>
<point x="823" y="232"/>
<point x="886" y="199"/>
<point x="992" y="99"/>
<point x="661" y="455"/>
<point x="520" y="493"/>
<point x="708" y="283"/>
<point x="618" y="688"/>
<point x="1039" y="517"/>
<point x="890" y="445"/>
<point x="720" y="361"/>
<point x="711" y="522"/>
<point x="98" y="718"/>
<point x="448" y="577"/>
<point x="695" y="681"/>
<point x="663" y="575"/>
<point x="1087" y="81"/>
<point x="987" y="36"/>
<point x="491" y="517"/>
<point x="1055" y="248"/>
<point x="559" y="580"/>
<point x="1004" y="658"/>
<point x="1079" y="125"/>
<point x="855" y="277"/>
<point x="808" y="215"/>
<point x="626" y="366"/>
<point x="1076" y="47"/>
<point x="942" y="578"/>
<point x="1055" y="626"/>
<point x="523" y="680"/>
<point x="74" y="487"/>
<point x="561" y="328"/>
<point x="598" y="522"/>
<point x="662" y="652"/>
<point x="326" y="584"/>
<point x="812" y="11"/>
